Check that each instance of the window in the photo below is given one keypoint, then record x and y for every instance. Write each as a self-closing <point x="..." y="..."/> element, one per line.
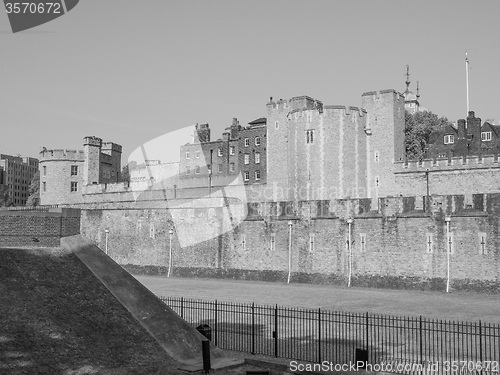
<point x="44" y="170"/>
<point x="44" y="186"/>
<point x="257" y="175"/>
<point x="449" y="139"/>
<point x="188" y="155"/>
<point x="272" y="242"/>
<point x="187" y="171"/>
<point x="311" y="243"/>
<point x="231" y="150"/>
<point x="246" y="176"/>
<point x="257" y="141"/>
<point x="219" y="168"/>
<point x="74" y="186"/>
<point x="247" y="159"/>
<point x="74" y="170"/>
<point x="197" y="169"/>
<point x="362" y="242"/>
<point x="231" y="167"/>
<point x="257" y="158"/>
<point x="429" y="243"/>
<point x="485" y="136"/>
<point x="247" y="142"/>
<point x="276" y="125"/>
<point x="197" y="154"/>
<point x="209" y="169"/>
<point x="482" y="244"/>
<point x="309" y="136"/>
<point x="219" y="151"/>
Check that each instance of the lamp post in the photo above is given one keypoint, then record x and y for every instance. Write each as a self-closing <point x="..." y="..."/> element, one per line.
<point x="106" y="231"/>
<point x="170" y="233"/>
<point x="427" y="209"/>
<point x="290" y="223"/>
<point x="447" y="219"/>
<point x="349" y="222"/>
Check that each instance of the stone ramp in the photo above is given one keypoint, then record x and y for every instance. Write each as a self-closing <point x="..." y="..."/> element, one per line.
<point x="179" y="339"/>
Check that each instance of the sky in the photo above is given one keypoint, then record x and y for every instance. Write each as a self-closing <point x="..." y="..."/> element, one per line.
<point x="129" y="71"/>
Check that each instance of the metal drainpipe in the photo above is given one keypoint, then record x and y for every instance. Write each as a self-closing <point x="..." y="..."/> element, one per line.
<point x="448" y="250"/>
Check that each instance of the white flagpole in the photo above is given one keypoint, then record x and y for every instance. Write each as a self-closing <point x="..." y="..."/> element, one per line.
<point x="467" y="80"/>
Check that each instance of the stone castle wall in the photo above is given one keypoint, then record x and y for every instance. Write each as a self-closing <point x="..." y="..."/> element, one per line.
<point x="39" y="229"/>
<point x="394" y="243"/>
<point x="449" y="176"/>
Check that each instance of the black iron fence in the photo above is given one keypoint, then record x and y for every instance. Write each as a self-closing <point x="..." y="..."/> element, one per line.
<point x="401" y="344"/>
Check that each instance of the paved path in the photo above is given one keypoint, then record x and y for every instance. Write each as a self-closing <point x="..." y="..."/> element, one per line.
<point x="453" y="306"/>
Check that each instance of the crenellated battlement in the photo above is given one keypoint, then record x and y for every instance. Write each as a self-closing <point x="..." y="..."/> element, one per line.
<point x="448" y="164"/>
<point x="61" y="154"/>
<point x="345" y="111"/>
<point x="92" y="141"/>
<point x="111" y="147"/>
<point x="376" y="95"/>
<point x="301" y="103"/>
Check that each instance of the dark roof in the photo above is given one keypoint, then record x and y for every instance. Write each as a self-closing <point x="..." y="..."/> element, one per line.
<point x="259" y="121"/>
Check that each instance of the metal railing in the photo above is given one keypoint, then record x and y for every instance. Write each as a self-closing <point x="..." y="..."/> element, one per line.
<point x="403" y="343"/>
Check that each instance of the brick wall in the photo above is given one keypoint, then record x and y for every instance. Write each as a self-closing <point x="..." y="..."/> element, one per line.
<point x="390" y="242"/>
<point x="41" y="229"/>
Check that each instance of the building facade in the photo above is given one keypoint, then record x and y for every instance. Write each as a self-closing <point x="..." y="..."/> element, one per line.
<point x="467" y="138"/>
<point x="16" y="173"/>
<point x="64" y="172"/>
<point x="240" y="152"/>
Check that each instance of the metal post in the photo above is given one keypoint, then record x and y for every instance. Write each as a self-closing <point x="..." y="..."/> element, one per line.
<point x="106" y="231"/>
<point x="290" y="223"/>
<point x="448" y="250"/>
<point x="319" y="335"/>
<point x="205" y="348"/>
<point x="421" y="341"/>
<point x="253" y="328"/>
<point x="349" y="247"/>
<point x="276" y="331"/>
<point x="170" y="233"/>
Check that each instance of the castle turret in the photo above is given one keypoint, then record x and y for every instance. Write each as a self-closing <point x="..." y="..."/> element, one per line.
<point x="91" y="166"/>
<point x="386" y="142"/>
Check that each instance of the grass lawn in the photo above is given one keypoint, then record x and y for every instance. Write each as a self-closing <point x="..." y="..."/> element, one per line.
<point x="57" y="318"/>
<point x="438" y="305"/>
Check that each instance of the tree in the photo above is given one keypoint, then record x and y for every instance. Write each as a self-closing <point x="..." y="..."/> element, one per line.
<point x="5" y="200"/>
<point x="34" y="190"/>
<point x="418" y="128"/>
